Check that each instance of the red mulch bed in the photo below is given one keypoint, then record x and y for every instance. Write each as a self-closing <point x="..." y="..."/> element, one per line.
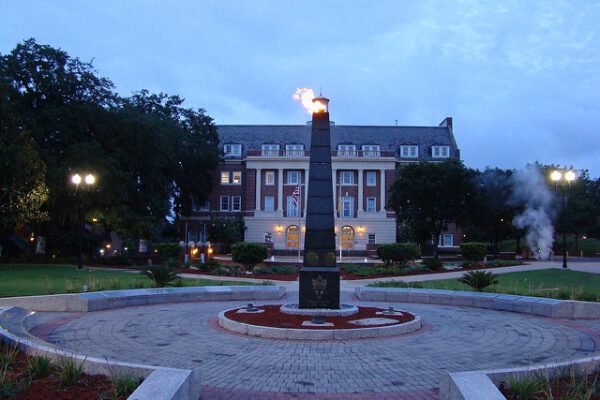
<point x="561" y="388"/>
<point x="353" y="277"/>
<point x="274" y="318"/>
<point x="90" y="387"/>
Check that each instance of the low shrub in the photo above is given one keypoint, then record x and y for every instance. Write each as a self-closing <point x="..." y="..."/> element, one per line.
<point x="526" y="387"/>
<point x="473" y="251"/>
<point x="248" y="254"/>
<point x="479" y="280"/>
<point x="123" y="386"/>
<point x="277" y="269"/>
<point x="69" y="371"/>
<point x="38" y="367"/>
<point x="162" y="275"/>
<point x="168" y="250"/>
<point x="398" y="253"/>
<point x="434" y="264"/>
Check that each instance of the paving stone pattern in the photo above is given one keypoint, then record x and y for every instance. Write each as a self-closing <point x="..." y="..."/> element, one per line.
<point x="234" y="366"/>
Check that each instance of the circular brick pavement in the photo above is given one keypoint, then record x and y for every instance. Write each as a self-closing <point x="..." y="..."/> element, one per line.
<point x="240" y="367"/>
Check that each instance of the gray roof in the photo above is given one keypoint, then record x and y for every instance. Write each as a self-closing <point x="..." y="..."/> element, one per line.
<point x="388" y="137"/>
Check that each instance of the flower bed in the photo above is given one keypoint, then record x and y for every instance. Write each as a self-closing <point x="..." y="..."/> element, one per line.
<point x="274" y="318"/>
<point x="540" y="387"/>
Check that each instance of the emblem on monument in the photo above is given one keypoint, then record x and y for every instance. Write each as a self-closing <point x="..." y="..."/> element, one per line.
<point x="319" y="285"/>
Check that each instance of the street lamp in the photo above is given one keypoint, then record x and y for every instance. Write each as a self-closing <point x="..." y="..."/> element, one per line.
<point x="564" y="178"/>
<point x="89" y="180"/>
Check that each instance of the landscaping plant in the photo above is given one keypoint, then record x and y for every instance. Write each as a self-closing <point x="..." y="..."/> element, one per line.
<point x="473" y="251"/>
<point x="248" y="254"/>
<point x="162" y="275"/>
<point x="69" y="371"/>
<point x="38" y="367"/>
<point x="525" y="387"/>
<point x="434" y="264"/>
<point x="123" y="385"/>
<point x="479" y="280"/>
<point x="398" y="253"/>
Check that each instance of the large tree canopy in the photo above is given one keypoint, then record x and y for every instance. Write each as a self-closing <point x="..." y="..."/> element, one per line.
<point x="151" y="154"/>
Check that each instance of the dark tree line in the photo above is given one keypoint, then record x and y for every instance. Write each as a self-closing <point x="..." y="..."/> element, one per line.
<point x="152" y="155"/>
<point x="428" y="197"/>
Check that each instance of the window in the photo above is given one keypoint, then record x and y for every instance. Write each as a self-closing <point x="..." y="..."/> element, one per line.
<point x="447" y="240"/>
<point x="371" y="204"/>
<point x="269" y="203"/>
<point x="347" y="237"/>
<point x="270" y="150"/>
<point x="205" y="206"/>
<point x="348" y="207"/>
<point x="232" y="150"/>
<point x="293" y="177"/>
<point x="292" y="206"/>
<point x="224" y="203"/>
<point x="291" y="237"/>
<point x="236" y="203"/>
<point x="347" y="177"/>
<point x="203" y="234"/>
<point x="409" y="151"/>
<point x="237" y="177"/>
<point x="371" y="178"/>
<point x="346" y="150"/>
<point x="371" y="150"/>
<point x="294" y="150"/>
<point x="270" y="178"/>
<point x="372" y="238"/>
<point x="224" y="177"/>
<point x="192" y="237"/>
<point x="440" y="151"/>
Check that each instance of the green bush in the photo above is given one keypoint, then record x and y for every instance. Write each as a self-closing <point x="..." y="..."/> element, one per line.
<point x="398" y="253"/>
<point x="479" y="280"/>
<point x="526" y="387"/>
<point x="473" y="251"/>
<point x="277" y="269"/>
<point x="248" y="254"/>
<point x="162" y="275"/>
<point x="434" y="264"/>
<point x="38" y="367"/>
<point x="69" y="372"/>
<point x="123" y="385"/>
<point x="168" y="250"/>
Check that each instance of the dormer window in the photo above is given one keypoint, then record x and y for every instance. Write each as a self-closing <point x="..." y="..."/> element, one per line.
<point x="270" y="150"/>
<point x="294" y="150"/>
<point x="371" y="150"/>
<point x="440" y="151"/>
<point x="346" y="150"/>
<point x="232" y="150"/>
<point x="409" y="151"/>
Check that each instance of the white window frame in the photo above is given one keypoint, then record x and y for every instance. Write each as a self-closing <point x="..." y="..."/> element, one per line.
<point x="292" y="211"/>
<point x="374" y="201"/>
<point x="346" y="150"/>
<point x="236" y="177"/>
<point x="409" y="151"/>
<point x="444" y="242"/>
<point x="294" y="150"/>
<point x="440" y="151"/>
<point x="294" y="181"/>
<point x="225" y="177"/>
<point x="232" y="149"/>
<point x="270" y="178"/>
<point x="372" y="238"/>
<point x="347" y="177"/>
<point x="347" y="207"/>
<point x="224" y="200"/>
<point x="371" y="178"/>
<point x="371" y="150"/>
<point x="270" y="150"/>
<point x="271" y="202"/>
<point x="234" y="200"/>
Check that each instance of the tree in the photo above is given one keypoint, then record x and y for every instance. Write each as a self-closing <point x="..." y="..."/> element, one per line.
<point x="249" y="254"/>
<point x="429" y="196"/>
<point x="225" y="231"/>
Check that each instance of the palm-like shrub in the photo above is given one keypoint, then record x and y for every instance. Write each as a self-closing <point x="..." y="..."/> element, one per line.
<point x="162" y="275"/>
<point x="479" y="280"/>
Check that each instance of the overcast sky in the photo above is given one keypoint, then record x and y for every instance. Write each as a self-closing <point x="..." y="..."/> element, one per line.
<point x="521" y="78"/>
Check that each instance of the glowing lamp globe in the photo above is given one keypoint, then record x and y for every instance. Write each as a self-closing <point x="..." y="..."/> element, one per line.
<point x="76" y="179"/>
<point x="556" y="176"/>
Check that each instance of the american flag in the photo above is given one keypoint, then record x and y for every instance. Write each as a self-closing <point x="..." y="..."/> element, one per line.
<point x="296" y="194"/>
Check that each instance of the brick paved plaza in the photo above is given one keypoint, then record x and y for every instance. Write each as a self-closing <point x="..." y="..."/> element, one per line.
<point x="239" y="367"/>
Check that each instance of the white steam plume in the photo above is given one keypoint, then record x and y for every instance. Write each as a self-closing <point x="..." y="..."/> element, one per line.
<point x="530" y="189"/>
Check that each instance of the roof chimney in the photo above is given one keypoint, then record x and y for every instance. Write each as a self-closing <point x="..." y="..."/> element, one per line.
<point x="446" y="123"/>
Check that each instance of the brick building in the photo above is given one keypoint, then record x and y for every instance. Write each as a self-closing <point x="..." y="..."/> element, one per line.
<point x="263" y="165"/>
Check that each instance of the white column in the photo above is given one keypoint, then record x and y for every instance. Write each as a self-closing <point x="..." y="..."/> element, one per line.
<point x="258" y="186"/>
<point x="382" y="195"/>
<point x="305" y="193"/>
<point x="335" y="191"/>
<point x="360" y="190"/>
<point x="280" y="189"/>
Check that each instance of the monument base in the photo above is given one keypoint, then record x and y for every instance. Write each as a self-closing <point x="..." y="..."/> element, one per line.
<point x="319" y="288"/>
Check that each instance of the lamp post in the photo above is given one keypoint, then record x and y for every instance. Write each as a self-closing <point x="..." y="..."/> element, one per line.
<point x="564" y="178"/>
<point x="89" y="180"/>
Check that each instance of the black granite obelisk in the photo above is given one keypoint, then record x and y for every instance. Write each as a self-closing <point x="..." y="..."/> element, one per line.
<point x="319" y="276"/>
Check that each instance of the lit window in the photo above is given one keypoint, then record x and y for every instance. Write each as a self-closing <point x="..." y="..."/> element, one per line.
<point x="371" y="150"/>
<point x="371" y="178"/>
<point x="348" y="207"/>
<point x="346" y="150"/>
<point x="237" y="177"/>
<point x="347" y="177"/>
<point x="269" y="203"/>
<point x="409" y="151"/>
<point x="447" y="240"/>
<point x="232" y="150"/>
<point x="224" y="203"/>
<point x="236" y="203"/>
<point x="270" y="178"/>
<point x="371" y="204"/>
<point x="293" y="177"/>
<point x="294" y="150"/>
<point x="292" y="206"/>
<point x="224" y="177"/>
<point x="291" y="237"/>
<point x="440" y="151"/>
<point x="372" y="238"/>
<point x="270" y="150"/>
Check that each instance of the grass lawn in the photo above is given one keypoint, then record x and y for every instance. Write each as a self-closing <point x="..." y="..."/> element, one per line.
<point x="29" y="280"/>
<point x="555" y="283"/>
<point x="589" y="246"/>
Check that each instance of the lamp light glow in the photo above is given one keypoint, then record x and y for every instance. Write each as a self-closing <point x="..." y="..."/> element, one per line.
<point x="90" y="179"/>
<point x="570" y="176"/>
<point x="556" y="176"/>
<point x="76" y="179"/>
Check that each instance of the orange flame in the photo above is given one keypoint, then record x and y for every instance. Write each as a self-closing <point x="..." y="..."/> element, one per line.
<point x="318" y="106"/>
<point x="305" y="96"/>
